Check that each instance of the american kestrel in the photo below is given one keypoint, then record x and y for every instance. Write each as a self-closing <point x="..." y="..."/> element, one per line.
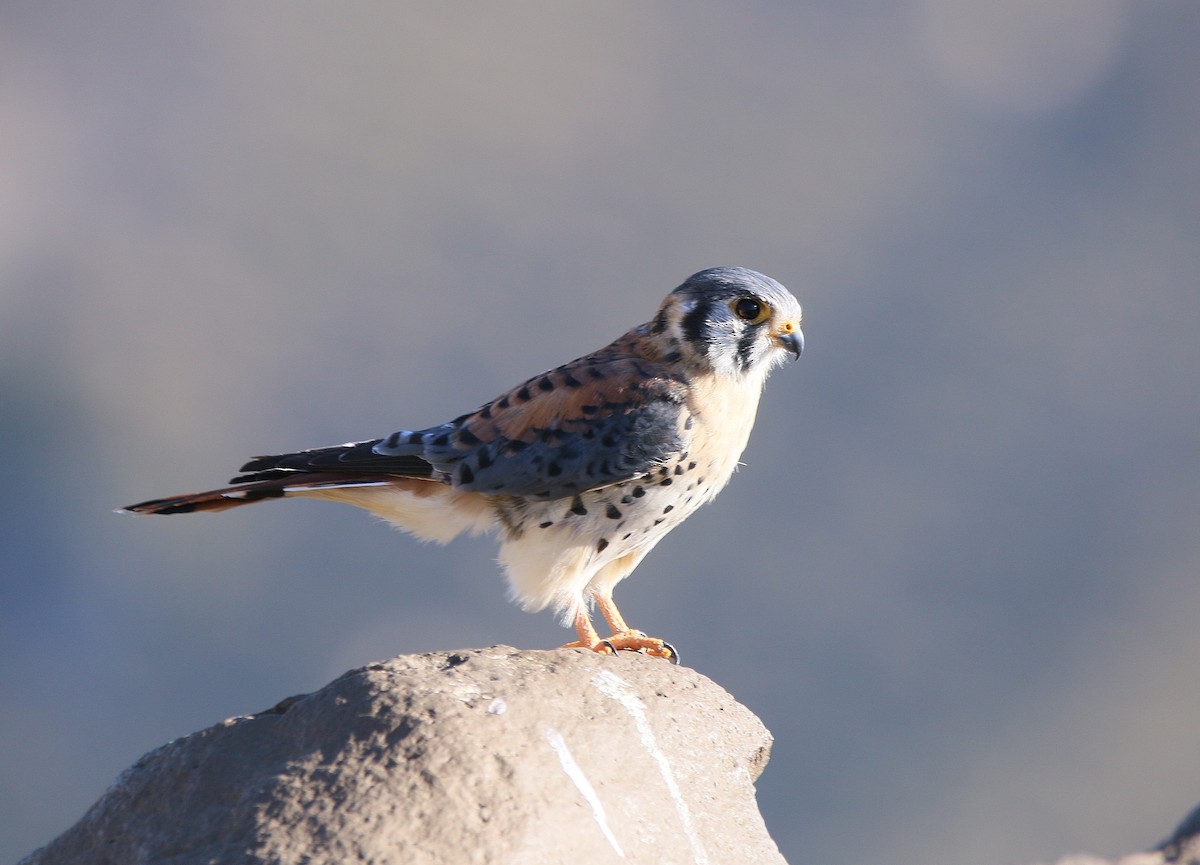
<point x="581" y="470"/>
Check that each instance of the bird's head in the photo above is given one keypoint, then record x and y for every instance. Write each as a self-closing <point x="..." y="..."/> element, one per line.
<point x="731" y="320"/>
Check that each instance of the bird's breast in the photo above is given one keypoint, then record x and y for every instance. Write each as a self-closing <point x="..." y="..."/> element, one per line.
<point x="721" y="413"/>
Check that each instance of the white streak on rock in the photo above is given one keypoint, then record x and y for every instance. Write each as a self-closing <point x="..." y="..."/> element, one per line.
<point x="559" y="744"/>
<point x="611" y="685"/>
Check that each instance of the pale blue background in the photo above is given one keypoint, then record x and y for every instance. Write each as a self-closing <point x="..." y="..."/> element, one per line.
<point x="958" y="576"/>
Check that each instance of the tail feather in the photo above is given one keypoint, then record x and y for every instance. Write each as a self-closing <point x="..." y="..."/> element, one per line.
<point x="248" y="493"/>
<point x="271" y="477"/>
<point x="351" y="458"/>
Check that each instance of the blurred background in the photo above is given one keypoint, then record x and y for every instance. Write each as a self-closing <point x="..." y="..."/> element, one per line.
<point x="958" y="575"/>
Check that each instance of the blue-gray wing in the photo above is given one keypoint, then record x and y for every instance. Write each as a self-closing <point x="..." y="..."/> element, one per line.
<point x="592" y="423"/>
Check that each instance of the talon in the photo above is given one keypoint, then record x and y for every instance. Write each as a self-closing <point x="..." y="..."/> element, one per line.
<point x="624" y="638"/>
<point x="635" y="641"/>
<point x="674" y="656"/>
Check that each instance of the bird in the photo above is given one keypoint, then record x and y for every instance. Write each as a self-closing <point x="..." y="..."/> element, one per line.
<point x="579" y="471"/>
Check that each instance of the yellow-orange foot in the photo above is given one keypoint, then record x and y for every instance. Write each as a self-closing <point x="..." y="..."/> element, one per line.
<point x="630" y="641"/>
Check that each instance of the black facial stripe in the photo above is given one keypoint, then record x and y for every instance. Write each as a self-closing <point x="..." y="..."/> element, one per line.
<point x="695" y="324"/>
<point x="745" y="345"/>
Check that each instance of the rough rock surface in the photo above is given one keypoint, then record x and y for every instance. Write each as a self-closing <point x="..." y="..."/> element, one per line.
<point x="481" y="756"/>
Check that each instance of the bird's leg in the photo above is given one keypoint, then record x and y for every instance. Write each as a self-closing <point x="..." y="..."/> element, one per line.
<point x="588" y="638"/>
<point x="625" y="637"/>
<point x="612" y="615"/>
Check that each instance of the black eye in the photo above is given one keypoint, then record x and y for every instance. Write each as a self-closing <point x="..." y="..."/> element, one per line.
<point x="748" y="309"/>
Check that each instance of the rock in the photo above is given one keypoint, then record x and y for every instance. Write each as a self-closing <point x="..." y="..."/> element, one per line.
<point x="1184" y="844"/>
<point x="1182" y="848"/>
<point x="482" y="756"/>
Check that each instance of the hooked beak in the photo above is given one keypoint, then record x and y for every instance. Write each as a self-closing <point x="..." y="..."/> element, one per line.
<point x="791" y="339"/>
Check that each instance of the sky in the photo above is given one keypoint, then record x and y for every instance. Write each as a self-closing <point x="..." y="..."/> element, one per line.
<point x="957" y="575"/>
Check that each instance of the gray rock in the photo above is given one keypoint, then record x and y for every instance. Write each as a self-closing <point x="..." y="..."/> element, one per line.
<point x="482" y="756"/>
<point x="1184" y="844"/>
<point x="1182" y="848"/>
